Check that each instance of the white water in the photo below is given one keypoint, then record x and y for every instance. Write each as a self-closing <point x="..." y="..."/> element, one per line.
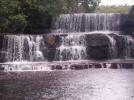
<point x="86" y="22"/>
<point x="72" y="30"/>
<point x="23" y="47"/>
<point x="73" y="47"/>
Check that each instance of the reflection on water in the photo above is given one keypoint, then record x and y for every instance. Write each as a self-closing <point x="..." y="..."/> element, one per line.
<point x="95" y="84"/>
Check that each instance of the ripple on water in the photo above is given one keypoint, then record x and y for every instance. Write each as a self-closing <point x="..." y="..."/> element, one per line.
<point x="96" y="84"/>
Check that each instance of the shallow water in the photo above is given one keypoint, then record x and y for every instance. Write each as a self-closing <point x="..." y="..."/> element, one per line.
<point x="92" y="84"/>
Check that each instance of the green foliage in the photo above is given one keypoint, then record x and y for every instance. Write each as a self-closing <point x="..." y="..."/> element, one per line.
<point x="113" y="9"/>
<point x="35" y="15"/>
<point x="89" y="5"/>
<point x="17" y="23"/>
<point x="7" y="9"/>
<point x="81" y="6"/>
<point x="27" y="15"/>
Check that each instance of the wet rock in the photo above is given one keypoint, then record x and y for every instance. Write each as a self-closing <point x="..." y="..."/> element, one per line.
<point x="104" y="65"/>
<point x="85" y="66"/>
<point x="3" y="56"/>
<point x="1" y="68"/>
<point x="52" y="41"/>
<point x="124" y="45"/>
<point x="127" y="26"/>
<point x="97" y="39"/>
<point x="49" y="54"/>
<point x="98" y="46"/>
<point x="120" y="45"/>
<point x="76" y="67"/>
<point x="90" y="66"/>
<point x="97" y="65"/>
<point x="58" y="67"/>
<point x="114" y="66"/>
<point x="1" y="42"/>
<point x="53" y="67"/>
<point x="127" y="66"/>
<point x="79" y="67"/>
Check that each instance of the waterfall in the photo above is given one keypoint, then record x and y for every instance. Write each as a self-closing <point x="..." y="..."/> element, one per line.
<point x="90" y="23"/>
<point x="74" y="37"/>
<point x="73" y="47"/>
<point x="15" y="48"/>
<point x="22" y="47"/>
<point x="128" y="42"/>
<point x="67" y="23"/>
<point x="102" y="21"/>
<point x="112" y="47"/>
<point x="86" y="22"/>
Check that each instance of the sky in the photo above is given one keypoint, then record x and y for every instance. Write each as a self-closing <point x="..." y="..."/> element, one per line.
<point x="117" y="2"/>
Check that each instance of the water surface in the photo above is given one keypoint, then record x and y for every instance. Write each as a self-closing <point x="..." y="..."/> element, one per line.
<point x="92" y="84"/>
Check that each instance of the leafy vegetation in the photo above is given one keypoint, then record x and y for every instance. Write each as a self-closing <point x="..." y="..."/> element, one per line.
<point x="27" y="15"/>
<point x="35" y="15"/>
<point x="113" y="9"/>
<point x="32" y="16"/>
<point x="82" y="6"/>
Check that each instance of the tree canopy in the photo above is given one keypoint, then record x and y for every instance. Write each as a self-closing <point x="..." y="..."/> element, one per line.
<point x="35" y="15"/>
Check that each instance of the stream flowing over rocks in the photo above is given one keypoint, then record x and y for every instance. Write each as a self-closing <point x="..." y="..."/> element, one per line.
<point x="52" y="66"/>
<point x="73" y="37"/>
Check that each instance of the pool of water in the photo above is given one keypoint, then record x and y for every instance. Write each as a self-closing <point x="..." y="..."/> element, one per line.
<point x="91" y="84"/>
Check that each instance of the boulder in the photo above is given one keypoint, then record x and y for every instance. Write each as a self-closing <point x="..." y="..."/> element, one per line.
<point x="97" y="39"/>
<point x="98" y="46"/>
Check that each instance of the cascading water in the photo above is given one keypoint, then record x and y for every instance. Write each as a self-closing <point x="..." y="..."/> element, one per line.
<point x="84" y="24"/>
<point x="73" y="47"/>
<point x="128" y="45"/>
<point x="110" y="22"/>
<point x="22" y="48"/>
<point x="80" y="37"/>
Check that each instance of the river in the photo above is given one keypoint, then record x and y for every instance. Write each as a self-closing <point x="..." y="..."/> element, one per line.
<point x="92" y="84"/>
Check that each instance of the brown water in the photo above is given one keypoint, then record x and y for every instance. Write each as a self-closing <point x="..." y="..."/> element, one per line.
<point x="92" y="84"/>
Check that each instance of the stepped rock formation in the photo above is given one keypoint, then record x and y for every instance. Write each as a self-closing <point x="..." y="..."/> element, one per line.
<point x="72" y="37"/>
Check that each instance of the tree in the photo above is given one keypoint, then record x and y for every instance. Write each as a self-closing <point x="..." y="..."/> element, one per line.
<point x="11" y="20"/>
<point x="87" y="6"/>
<point x="35" y="15"/>
<point x="28" y="15"/>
